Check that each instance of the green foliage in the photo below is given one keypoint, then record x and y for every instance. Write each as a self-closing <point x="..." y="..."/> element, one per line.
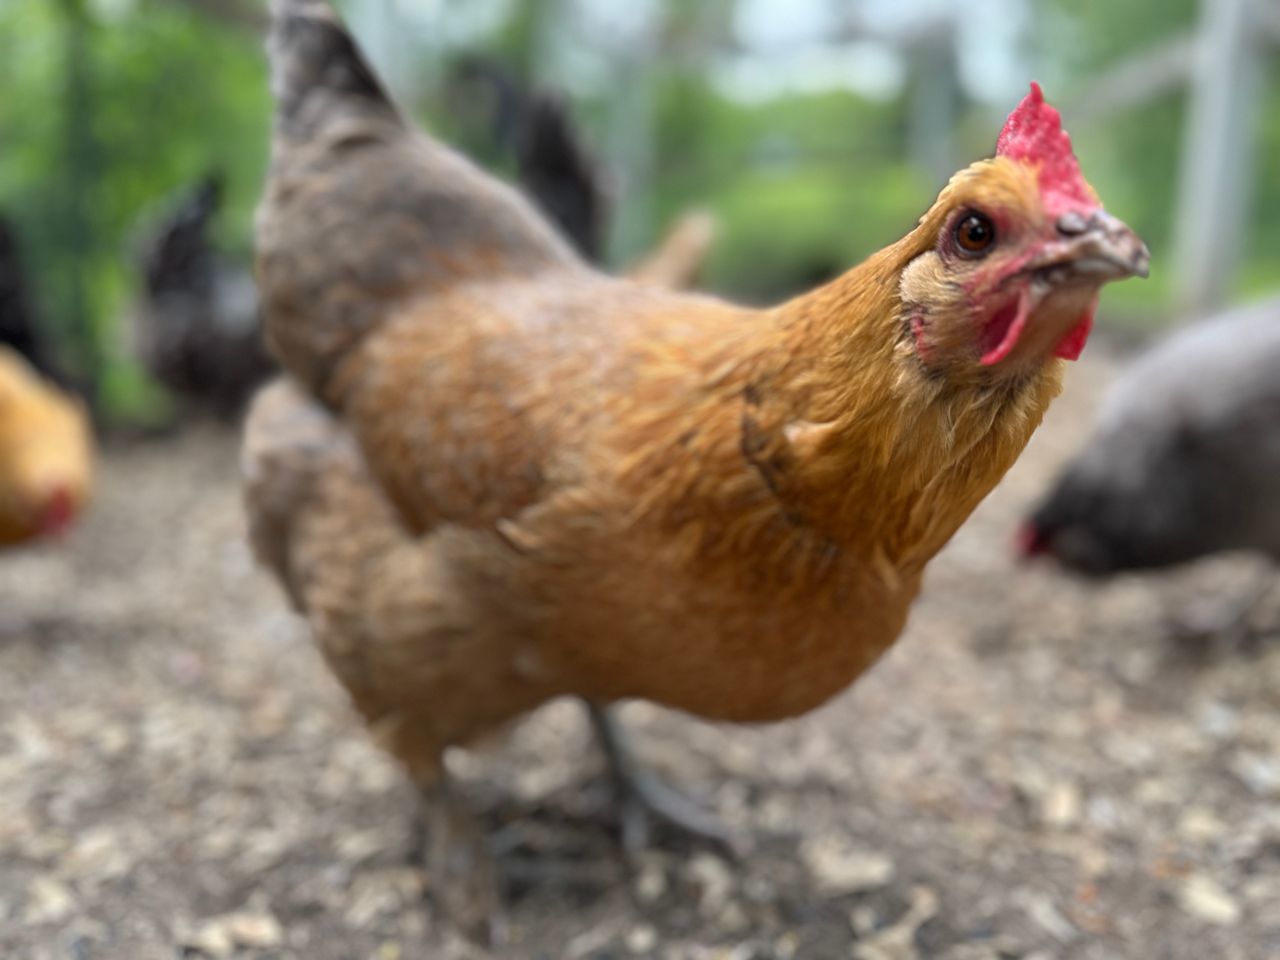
<point x="1263" y="241"/>
<point x="801" y="227"/>
<point x="1135" y="167"/>
<point x="166" y="96"/>
<point x="1102" y="32"/>
<point x="803" y="187"/>
<point x="111" y="105"/>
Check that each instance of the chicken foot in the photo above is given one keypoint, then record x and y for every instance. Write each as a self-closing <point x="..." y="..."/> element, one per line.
<point x="461" y="870"/>
<point x="1232" y="622"/>
<point x="644" y="798"/>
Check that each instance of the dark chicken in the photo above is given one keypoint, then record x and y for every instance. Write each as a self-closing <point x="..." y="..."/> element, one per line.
<point x="196" y="325"/>
<point x="1184" y="460"/>
<point x="18" y="328"/>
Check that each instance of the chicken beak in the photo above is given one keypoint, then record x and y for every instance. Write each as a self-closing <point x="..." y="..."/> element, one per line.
<point x="1091" y="249"/>
<point x="1087" y="250"/>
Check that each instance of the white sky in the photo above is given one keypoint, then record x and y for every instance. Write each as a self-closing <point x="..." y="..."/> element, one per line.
<point x="787" y="40"/>
<point x="785" y="44"/>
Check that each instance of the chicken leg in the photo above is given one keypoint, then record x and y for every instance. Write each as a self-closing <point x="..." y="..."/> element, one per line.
<point x="643" y="798"/>
<point x="461" y="869"/>
<point x="1232" y="622"/>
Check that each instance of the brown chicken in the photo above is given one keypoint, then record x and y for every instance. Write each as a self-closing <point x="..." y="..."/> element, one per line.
<point x="619" y="490"/>
<point x="45" y="453"/>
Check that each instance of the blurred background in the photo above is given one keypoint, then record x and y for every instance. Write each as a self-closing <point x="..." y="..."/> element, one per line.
<point x="1045" y="767"/>
<point x="813" y="130"/>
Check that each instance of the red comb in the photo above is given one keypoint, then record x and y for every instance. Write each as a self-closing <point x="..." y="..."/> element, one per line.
<point x="1030" y="541"/>
<point x="58" y="512"/>
<point x="1033" y="134"/>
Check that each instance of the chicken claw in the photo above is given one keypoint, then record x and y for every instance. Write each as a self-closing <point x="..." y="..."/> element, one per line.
<point x="644" y="798"/>
<point x="1232" y="623"/>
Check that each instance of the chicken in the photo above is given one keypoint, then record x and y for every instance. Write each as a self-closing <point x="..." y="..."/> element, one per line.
<point x="557" y="171"/>
<point x="558" y="174"/>
<point x="45" y="453"/>
<point x="1184" y="460"/>
<point x="616" y="490"/>
<point x="551" y="162"/>
<point x="196" y="325"/>
<point x="680" y="257"/>
<point x="18" y="329"/>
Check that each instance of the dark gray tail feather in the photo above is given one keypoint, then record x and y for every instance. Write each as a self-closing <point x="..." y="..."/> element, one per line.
<point x="361" y="214"/>
<point x="317" y="71"/>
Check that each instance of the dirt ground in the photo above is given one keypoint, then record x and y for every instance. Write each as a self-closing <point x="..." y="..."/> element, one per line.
<point x="1037" y="770"/>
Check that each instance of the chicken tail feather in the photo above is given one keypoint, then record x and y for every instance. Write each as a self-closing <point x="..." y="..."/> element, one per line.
<point x="361" y="213"/>
<point x="317" y="72"/>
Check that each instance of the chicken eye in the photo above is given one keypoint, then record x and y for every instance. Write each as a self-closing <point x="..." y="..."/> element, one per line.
<point x="975" y="234"/>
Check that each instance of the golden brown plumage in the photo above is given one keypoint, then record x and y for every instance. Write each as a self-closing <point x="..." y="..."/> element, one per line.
<point x="45" y="453"/>
<point x="620" y="490"/>
<point x="380" y="606"/>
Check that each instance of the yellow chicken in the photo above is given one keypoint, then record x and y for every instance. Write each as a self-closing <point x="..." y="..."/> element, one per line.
<point x="45" y="453"/>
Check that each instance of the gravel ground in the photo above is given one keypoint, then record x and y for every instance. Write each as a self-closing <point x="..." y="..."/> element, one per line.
<point x="1037" y="770"/>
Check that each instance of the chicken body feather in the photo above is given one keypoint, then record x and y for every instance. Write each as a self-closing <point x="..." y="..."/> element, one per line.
<point x="423" y="666"/>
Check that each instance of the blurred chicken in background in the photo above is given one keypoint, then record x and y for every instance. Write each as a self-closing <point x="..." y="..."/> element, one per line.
<point x="679" y="259"/>
<point x="557" y="171"/>
<point x="18" y="328"/>
<point x="533" y="128"/>
<point x="45" y="453"/>
<point x="1184" y="461"/>
<point x="45" y="434"/>
<point x="196" y="327"/>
